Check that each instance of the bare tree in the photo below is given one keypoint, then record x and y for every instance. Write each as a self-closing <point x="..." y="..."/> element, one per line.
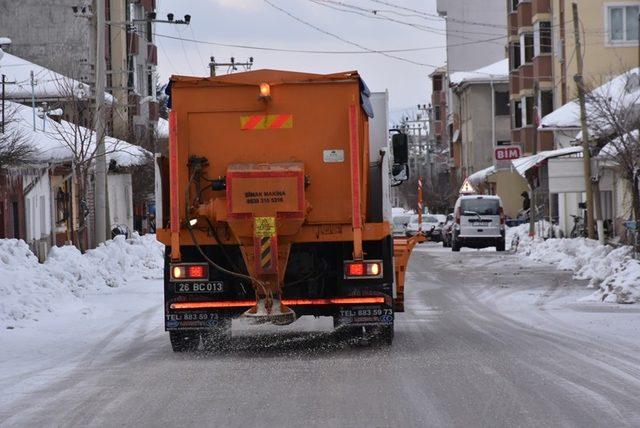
<point x="613" y="115"/>
<point x="15" y="149"/>
<point x="78" y="136"/>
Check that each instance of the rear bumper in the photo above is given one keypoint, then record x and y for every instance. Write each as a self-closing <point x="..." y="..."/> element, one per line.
<point x="354" y="310"/>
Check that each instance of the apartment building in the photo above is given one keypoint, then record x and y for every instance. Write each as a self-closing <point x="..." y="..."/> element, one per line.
<point x="475" y="39"/>
<point x="542" y="57"/>
<point x="60" y="36"/>
<point x="482" y="97"/>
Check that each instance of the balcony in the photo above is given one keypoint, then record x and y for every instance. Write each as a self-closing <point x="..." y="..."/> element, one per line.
<point x="437" y="127"/>
<point x="513" y="24"/>
<point x="133" y="43"/>
<point x="514" y="82"/>
<point x="525" y="73"/>
<point x="515" y="136"/>
<point x="149" y="5"/>
<point x="541" y="7"/>
<point x="542" y="68"/>
<point x="524" y="14"/>
<point x="152" y="54"/>
<point x="545" y="140"/>
<point x="528" y="139"/>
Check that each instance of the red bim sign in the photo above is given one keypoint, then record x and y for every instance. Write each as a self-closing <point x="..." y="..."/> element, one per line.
<point x="507" y="153"/>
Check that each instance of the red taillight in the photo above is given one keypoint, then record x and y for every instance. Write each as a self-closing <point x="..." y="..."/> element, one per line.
<point x="364" y="269"/>
<point x="457" y="215"/>
<point x="189" y="272"/>
<point x="502" y="218"/>
<point x="355" y="269"/>
<point x="196" y="271"/>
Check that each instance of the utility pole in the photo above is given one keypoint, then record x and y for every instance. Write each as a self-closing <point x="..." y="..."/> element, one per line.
<point x="33" y="98"/>
<point x="4" y="83"/>
<point x="101" y="161"/>
<point x="231" y="66"/>
<point x="586" y="153"/>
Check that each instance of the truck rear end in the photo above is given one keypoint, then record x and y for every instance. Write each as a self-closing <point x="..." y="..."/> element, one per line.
<point x="276" y="206"/>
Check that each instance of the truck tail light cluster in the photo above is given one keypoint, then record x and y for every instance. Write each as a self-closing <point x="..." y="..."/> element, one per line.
<point x="363" y="269"/>
<point x="502" y="218"/>
<point x="457" y="215"/>
<point x="189" y="272"/>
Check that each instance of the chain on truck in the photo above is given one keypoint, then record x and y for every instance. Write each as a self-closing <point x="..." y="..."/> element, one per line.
<point x="275" y="205"/>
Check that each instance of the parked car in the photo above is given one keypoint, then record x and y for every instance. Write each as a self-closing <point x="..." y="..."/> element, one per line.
<point x="429" y="225"/>
<point x="447" y="229"/>
<point x="479" y="223"/>
<point x="437" y="232"/>
<point x="400" y="222"/>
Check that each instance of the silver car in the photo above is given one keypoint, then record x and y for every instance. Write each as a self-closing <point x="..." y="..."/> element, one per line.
<point x="479" y="222"/>
<point x="400" y="223"/>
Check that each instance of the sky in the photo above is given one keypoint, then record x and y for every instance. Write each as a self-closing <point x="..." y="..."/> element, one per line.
<point x="256" y="23"/>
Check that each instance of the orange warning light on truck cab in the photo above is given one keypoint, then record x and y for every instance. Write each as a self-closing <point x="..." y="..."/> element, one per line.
<point x="265" y="90"/>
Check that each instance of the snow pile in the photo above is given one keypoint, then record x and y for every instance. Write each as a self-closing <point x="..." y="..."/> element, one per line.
<point x="28" y="287"/>
<point x="614" y="271"/>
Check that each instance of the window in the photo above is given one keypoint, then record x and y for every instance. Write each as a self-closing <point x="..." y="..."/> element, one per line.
<point x="437" y="83"/>
<point x="526" y="47"/>
<point x="623" y="23"/>
<point x="514" y="56"/>
<point x="502" y="103"/>
<point x="436" y="113"/>
<point x="542" y="39"/>
<point x="527" y="111"/>
<point x="480" y="206"/>
<point x="517" y="114"/>
<point x="513" y="5"/>
<point x="546" y="103"/>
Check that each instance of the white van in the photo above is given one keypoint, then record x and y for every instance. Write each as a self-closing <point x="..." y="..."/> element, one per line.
<point x="479" y="222"/>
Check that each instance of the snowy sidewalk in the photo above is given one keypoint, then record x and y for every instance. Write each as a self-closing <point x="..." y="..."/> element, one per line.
<point x="75" y="310"/>
<point x="614" y="272"/>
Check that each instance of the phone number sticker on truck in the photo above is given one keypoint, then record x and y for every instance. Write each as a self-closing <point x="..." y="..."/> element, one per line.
<point x="191" y="320"/>
<point x="366" y="315"/>
<point x="199" y="287"/>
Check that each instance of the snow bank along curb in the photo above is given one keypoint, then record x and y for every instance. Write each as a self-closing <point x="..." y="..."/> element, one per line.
<point x="28" y="288"/>
<point x="614" y="271"/>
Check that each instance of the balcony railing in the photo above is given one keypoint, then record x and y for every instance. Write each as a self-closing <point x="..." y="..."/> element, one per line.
<point x="542" y="67"/>
<point x="514" y="82"/>
<point x="541" y="6"/>
<point x="526" y="77"/>
<point x="524" y="14"/>
<point x="513" y="24"/>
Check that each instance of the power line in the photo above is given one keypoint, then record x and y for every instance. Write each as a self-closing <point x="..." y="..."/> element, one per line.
<point x="343" y="39"/>
<point x="306" y="51"/>
<point x="378" y="14"/>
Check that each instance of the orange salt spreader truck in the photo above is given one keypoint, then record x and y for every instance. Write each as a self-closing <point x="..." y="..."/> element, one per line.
<point x="275" y="204"/>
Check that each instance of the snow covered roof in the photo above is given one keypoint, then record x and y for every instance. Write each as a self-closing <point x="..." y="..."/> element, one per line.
<point x="479" y="177"/>
<point x="618" y="89"/>
<point x="49" y="84"/>
<point x="162" y="130"/>
<point x="611" y="149"/>
<point x="53" y="143"/>
<point x="498" y="71"/>
<point x="521" y="165"/>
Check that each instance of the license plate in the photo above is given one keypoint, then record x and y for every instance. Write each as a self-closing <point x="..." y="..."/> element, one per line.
<point x="199" y="287"/>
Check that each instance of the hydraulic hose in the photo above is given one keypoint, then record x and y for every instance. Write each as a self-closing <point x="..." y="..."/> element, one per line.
<point x="219" y="268"/>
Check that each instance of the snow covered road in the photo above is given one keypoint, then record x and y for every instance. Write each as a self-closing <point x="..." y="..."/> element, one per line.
<point x="487" y="340"/>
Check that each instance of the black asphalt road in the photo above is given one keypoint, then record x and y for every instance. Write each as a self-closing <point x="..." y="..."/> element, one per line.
<point x="457" y="360"/>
